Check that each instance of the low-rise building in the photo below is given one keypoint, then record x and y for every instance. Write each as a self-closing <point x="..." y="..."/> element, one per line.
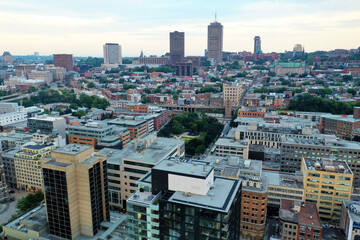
<point x="230" y="147"/>
<point x="299" y="221"/>
<point x="283" y="186"/>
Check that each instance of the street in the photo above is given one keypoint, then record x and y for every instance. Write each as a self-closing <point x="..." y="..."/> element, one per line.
<point x="9" y="209"/>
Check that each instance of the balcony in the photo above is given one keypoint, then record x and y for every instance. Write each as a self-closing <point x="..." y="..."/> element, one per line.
<point x="154" y="207"/>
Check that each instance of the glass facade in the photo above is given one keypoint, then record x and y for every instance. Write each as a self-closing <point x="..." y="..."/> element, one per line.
<point x="57" y="204"/>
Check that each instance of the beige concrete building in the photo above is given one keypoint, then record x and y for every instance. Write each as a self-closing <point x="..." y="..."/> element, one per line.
<point x="232" y="93"/>
<point x="57" y="72"/>
<point x="76" y="196"/>
<point x="28" y="166"/>
<point x="47" y="76"/>
<point x="230" y="147"/>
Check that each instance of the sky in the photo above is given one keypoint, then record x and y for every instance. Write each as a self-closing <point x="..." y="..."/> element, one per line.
<point x="81" y="27"/>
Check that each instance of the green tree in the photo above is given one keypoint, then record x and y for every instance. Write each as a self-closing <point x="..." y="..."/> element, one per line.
<point x="91" y="85"/>
<point x="271" y="74"/>
<point x="80" y="113"/>
<point x="144" y="99"/>
<point x="31" y="201"/>
<point x="74" y="106"/>
<point x="352" y="91"/>
<point x="347" y="78"/>
<point x="200" y="149"/>
<point x="147" y="90"/>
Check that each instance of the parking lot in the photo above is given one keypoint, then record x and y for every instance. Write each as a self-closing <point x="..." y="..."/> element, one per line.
<point x="9" y="209"/>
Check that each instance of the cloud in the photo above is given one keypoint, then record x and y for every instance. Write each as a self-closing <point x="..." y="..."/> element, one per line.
<point x="82" y="26"/>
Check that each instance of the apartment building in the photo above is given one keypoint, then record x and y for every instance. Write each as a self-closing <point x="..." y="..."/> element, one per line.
<point x="327" y="183"/>
<point x="12" y="118"/>
<point x="233" y="94"/>
<point x="28" y="166"/>
<point x="48" y="125"/>
<point x="13" y="140"/>
<point x="7" y="158"/>
<point x="230" y="147"/>
<point x="251" y="112"/>
<point x="299" y="221"/>
<point x="137" y="126"/>
<point x="46" y="76"/>
<point x="269" y="132"/>
<point x="341" y="125"/>
<point x="98" y="134"/>
<point x="135" y="161"/>
<point x="4" y="194"/>
<point x="184" y="200"/>
<point x="326" y="147"/>
<point x="137" y="107"/>
<point x="283" y="186"/>
<point x="254" y="191"/>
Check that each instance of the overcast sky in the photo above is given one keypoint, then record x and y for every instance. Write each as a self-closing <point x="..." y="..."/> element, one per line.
<point x="81" y="27"/>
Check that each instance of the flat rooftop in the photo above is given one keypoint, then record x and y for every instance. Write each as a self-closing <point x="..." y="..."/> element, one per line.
<point x="47" y="118"/>
<point x="112" y="155"/>
<point x="231" y="143"/>
<point x="283" y="179"/>
<point x="344" y="118"/>
<point x="219" y="198"/>
<point x="72" y="149"/>
<point x="158" y="150"/>
<point x="195" y="168"/>
<point x="327" y="166"/>
<point x="36" y="220"/>
<point x="322" y="140"/>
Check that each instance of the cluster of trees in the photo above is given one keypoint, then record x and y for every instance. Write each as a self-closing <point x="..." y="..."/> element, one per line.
<point x="91" y="62"/>
<point x="209" y="129"/>
<point x="266" y="90"/>
<point x="259" y="67"/>
<point x="53" y="96"/>
<point x="208" y="89"/>
<point x="321" y="92"/>
<point x="310" y="103"/>
<point x="128" y="86"/>
<point x="29" y="202"/>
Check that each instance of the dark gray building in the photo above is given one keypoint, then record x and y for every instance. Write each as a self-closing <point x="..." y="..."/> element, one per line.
<point x="177" y="47"/>
<point x="257" y="44"/>
<point x="7" y="158"/>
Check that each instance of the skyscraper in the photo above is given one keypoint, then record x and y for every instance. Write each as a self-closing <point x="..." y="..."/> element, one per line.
<point x="64" y="60"/>
<point x="257" y="44"/>
<point x="215" y="41"/>
<point x="112" y="54"/>
<point x="177" y="47"/>
<point x="76" y="191"/>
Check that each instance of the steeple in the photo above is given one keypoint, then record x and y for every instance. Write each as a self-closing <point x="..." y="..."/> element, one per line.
<point x="215" y="17"/>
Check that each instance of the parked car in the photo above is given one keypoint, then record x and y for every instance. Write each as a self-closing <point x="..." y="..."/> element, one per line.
<point x="11" y="191"/>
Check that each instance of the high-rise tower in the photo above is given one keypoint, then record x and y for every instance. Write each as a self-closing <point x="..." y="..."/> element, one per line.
<point x="76" y="191"/>
<point x="257" y="44"/>
<point x="112" y="54"/>
<point x="215" y="41"/>
<point x="177" y="47"/>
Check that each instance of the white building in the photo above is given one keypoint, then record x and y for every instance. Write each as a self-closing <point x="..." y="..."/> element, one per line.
<point x="112" y="55"/>
<point x="47" y="76"/>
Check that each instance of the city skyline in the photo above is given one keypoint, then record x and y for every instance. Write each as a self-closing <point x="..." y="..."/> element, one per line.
<point x="82" y="29"/>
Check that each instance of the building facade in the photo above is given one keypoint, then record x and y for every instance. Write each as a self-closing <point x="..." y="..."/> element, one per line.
<point x="257" y="44"/>
<point x="327" y="183"/>
<point x="215" y="41"/>
<point x="112" y="54"/>
<point x="64" y="60"/>
<point x="78" y="175"/>
<point x="177" y="47"/>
